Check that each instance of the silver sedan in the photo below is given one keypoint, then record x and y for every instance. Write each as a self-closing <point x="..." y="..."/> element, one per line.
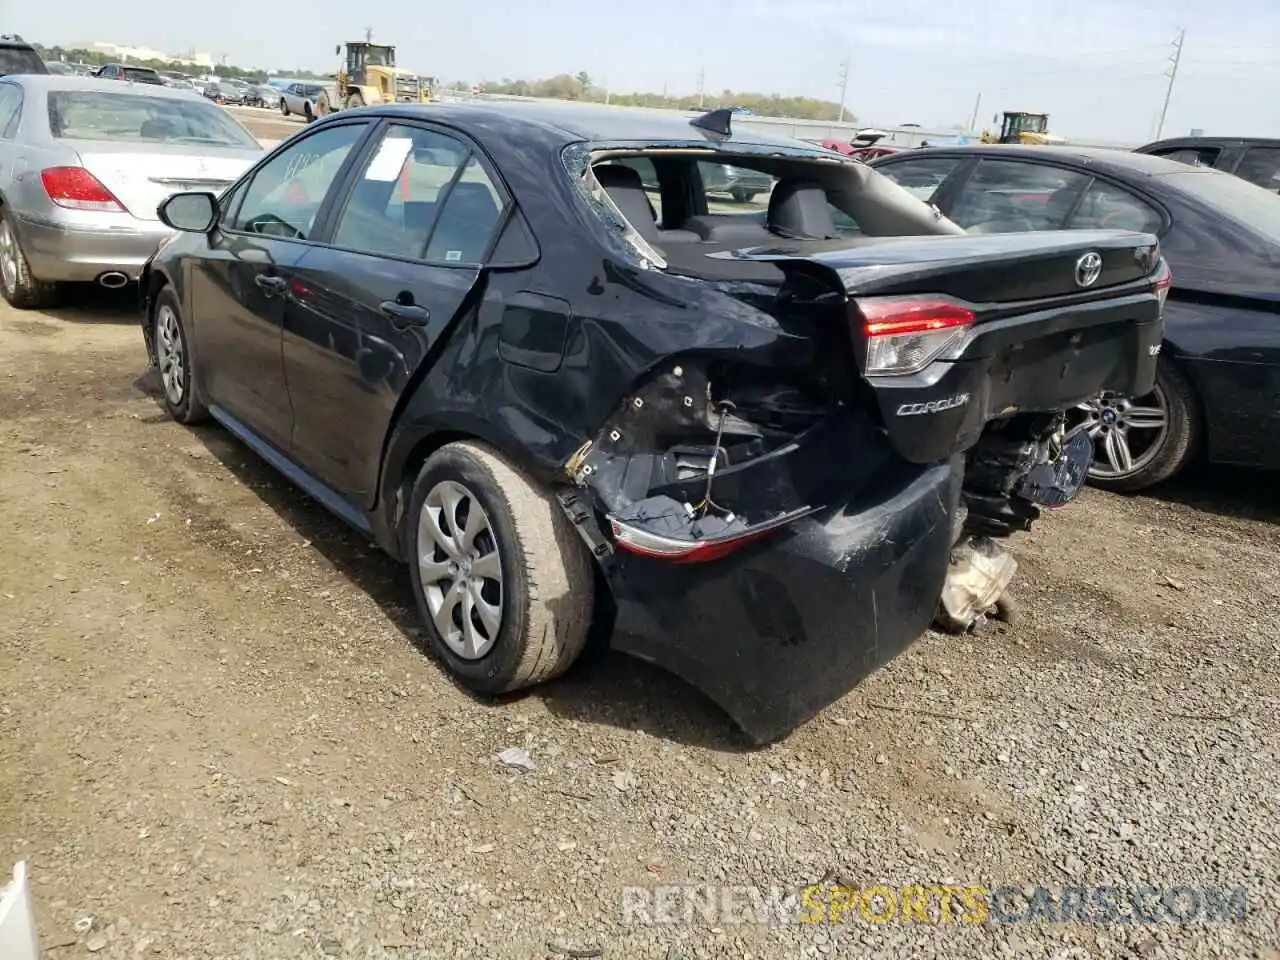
<point x="83" y="166"/>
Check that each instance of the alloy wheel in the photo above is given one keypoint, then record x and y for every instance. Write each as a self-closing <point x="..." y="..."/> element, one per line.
<point x="460" y="569"/>
<point x="170" y="354"/>
<point x="8" y="257"/>
<point x="1127" y="433"/>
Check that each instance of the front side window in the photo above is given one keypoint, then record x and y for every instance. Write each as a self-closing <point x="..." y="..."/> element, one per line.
<point x="286" y="193"/>
<point x="920" y="176"/>
<point x="106" y="115"/>
<point x="1012" y="196"/>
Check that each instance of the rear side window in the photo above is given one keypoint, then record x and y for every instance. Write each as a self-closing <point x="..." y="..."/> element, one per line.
<point x="103" y="115"/>
<point x="1261" y="165"/>
<point x="921" y="177"/>
<point x="10" y="109"/>
<point x="141" y="75"/>
<point x="1108" y="207"/>
<point x="1008" y="196"/>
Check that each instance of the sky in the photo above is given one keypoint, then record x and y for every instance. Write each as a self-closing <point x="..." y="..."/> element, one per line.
<point x="1097" y="67"/>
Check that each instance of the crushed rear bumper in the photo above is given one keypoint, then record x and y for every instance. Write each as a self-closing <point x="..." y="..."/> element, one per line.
<point x="781" y="629"/>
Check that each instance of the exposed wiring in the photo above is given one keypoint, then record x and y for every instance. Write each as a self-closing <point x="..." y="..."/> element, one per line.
<point x="724" y="406"/>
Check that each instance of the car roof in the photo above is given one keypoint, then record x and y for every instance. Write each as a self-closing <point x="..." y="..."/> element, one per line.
<point x="1100" y="158"/>
<point x="1192" y="142"/>
<point x="55" y="81"/>
<point x="576" y="121"/>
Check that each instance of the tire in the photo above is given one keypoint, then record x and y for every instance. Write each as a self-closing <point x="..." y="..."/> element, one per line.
<point x="307" y="112"/>
<point x="1177" y="446"/>
<point x="182" y="397"/>
<point x="20" y="288"/>
<point x="740" y="195"/>
<point x="284" y="109"/>
<point x="545" y="596"/>
<point x="355" y="101"/>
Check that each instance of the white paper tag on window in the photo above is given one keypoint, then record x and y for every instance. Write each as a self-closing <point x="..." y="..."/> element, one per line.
<point x="389" y="161"/>
<point x="453" y="254"/>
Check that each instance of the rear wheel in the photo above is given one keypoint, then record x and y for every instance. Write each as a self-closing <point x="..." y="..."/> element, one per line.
<point x="741" y="195"/>
<point x="355" y="100"/>
<point x="503" y="582"/>
<point x="1143" y="441"/>
<point x="284" y="109"/>
<point x="19" y="287"/>
<point x="173" y="355"/>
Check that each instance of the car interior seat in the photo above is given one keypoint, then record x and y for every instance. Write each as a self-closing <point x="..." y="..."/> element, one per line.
<point x="798" y="210"/>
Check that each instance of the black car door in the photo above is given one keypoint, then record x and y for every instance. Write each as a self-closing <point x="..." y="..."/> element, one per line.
<point x="404" y="253"/>
<point x="238" y="290"/>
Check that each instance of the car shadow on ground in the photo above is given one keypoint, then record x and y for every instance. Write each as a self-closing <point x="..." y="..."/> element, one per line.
<point x="604" y="688"/>
<point x="1236" y="492"/>
<point x="89" y="303"/>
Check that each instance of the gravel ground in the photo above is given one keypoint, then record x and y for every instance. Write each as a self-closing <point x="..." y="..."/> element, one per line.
<point x="219" y="735"/>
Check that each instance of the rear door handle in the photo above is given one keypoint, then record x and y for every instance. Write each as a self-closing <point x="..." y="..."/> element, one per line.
<point x="402" y="314"/>
<point x="270" y="285"/>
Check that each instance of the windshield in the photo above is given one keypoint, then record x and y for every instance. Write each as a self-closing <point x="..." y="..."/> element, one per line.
<point x="18" y="60"/>
<point x="95" y="115"/>
<point x="1254" y="207"/>
<point x="381" y="57"/>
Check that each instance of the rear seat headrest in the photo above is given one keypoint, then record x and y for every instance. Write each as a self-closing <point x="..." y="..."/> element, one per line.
<point x="626" y="190"/>
<point x="798" y="209"/>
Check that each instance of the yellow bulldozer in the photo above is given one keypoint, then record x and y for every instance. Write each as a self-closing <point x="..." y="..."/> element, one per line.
<point x="1021" y="127"/>
<point x="369" y="75"/>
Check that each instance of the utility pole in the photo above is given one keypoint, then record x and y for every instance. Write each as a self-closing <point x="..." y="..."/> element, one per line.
<point x="973" y="120"/>
<point x="1172" y="75"/>
<point x="368" y="34"/>
<point x="844" y="87"/>
<point x="702" y="80"/>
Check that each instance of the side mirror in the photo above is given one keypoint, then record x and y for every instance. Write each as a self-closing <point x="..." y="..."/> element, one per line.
<point x="189" y="212"/>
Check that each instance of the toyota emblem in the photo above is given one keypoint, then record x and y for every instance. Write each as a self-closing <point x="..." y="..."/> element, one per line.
<point x="1088" y="269"/>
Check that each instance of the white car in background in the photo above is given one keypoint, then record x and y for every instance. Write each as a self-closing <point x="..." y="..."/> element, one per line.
<point x="83" y="166"/>
<point x="300" y="98"/>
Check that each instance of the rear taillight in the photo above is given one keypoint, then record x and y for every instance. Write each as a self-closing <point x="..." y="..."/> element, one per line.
<point x="905" y="334"/>
<point x="645" y="544"/>
<point x="1164" y="280"/>
<point x="77" y="189"/>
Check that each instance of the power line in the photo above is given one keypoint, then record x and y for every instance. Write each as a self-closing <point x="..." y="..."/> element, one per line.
<point x="1172" y="74"/>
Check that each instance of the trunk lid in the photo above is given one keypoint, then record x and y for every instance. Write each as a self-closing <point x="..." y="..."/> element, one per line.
<point x="978" y="268"/>
<point x="953" y="332"/>
<point x="143" y="175"/>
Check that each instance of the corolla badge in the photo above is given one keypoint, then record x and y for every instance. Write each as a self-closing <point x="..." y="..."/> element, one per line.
<point x="1088" y="269"/>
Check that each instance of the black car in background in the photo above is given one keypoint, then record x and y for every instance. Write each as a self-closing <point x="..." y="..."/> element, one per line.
<point x="120" y="71"/>
<point x="469" y="332"/>
<point x="1218" y="388"/>
<point x="222" y="91"/>
<point x="261" y="95"/>
<point x="1251" y="158"/>
<point x="18" y="56"/>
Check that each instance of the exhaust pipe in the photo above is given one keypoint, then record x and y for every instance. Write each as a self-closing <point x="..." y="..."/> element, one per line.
<point x="113" y="280"/>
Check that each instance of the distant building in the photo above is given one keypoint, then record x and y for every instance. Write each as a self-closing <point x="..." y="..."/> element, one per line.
<point x="125" y="54"/>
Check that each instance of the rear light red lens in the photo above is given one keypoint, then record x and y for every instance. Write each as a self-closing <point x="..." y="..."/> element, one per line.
<point x="905" y="334"/>
<point x="645" y="544"/>
<point x="77" y="189"/>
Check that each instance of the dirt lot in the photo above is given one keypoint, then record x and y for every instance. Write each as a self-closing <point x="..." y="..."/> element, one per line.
<point x="219" y="736"/>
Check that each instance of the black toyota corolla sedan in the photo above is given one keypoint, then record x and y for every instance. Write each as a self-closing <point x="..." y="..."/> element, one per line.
<point x="1218" y="389"/>
<point x="752" y="435"/>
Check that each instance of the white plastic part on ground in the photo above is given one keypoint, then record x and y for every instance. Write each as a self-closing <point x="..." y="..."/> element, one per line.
<point x="17" y="919"/>
<point x="980" y="573"/>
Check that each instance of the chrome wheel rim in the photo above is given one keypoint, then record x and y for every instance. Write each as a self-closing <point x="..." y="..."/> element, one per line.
<point x="169" y="352"/>
<point x="460" y="569"/>
<point x="1127" y="433"/>
<point x="8" y="256"/>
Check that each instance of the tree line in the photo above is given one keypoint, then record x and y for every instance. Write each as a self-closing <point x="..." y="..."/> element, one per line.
<point x="580" y="86"/>
<point x="96" y="58"/>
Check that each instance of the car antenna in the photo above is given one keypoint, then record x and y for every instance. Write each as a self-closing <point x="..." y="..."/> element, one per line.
<point x="716" y="121"/>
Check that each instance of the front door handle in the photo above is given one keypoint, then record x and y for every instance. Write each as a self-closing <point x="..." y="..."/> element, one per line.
<point x="270" y="285"/>
<point x="404" y="314"/>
